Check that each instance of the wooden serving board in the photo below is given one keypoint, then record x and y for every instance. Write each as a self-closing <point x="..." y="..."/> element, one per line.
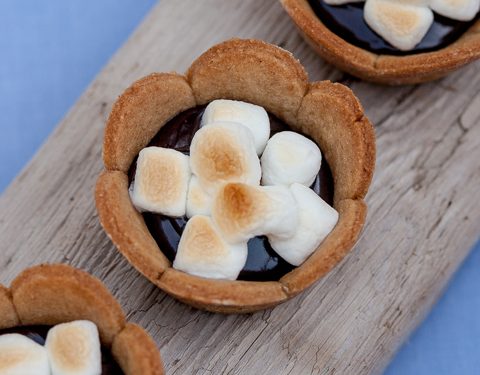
<point x="424" y="210"/>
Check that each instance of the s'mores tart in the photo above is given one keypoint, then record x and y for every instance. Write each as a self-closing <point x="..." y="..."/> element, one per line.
<point x="57" y="320"/>
<point x="391" y="41"/>
<point x="277" y="171"/>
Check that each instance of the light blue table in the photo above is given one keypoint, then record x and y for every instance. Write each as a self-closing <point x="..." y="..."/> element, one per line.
<point x="51" y="50"/>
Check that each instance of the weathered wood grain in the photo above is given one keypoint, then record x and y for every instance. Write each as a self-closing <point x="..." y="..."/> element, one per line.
<point x="424" y="210"/>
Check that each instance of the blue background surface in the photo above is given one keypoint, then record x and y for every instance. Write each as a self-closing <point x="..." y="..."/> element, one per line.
<point x="51" y="50"/>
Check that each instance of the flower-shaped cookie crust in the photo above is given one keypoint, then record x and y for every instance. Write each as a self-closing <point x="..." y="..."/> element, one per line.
<point x="54" y="294"/>
<point x="387" y="69"/>
<point x="262" y="74"/>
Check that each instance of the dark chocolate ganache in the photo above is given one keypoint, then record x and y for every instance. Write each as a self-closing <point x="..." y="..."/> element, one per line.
<point x="39" y="334"/>
<point x="348" y="23"/>
<point x="263" y="264"/>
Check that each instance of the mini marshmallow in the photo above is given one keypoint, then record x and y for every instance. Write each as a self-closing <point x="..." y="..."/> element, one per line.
<point x="20" y="355"/>
<point x="402" y="23"/>
<point x="252" y="116"/>
<point x="74" y="349"/>
<point x="316" y="220"/>
<point x="224" y="152"/>
<point x="290" y="157"/>
<point x="161" y="181"/>
<point x="461" y="10"/>
<point x="243" y="211"/>
<point x="203" y="251"/>
<point x="199" y="202"/>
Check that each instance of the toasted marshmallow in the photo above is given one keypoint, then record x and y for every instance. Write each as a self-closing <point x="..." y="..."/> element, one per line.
<point x="21" y="356"/>
<point x="316" y="220"/>
<point x="74" y="349"/>
<point x="199" y="202"/>
<point x="254" y="117"/>
<point x="161" y="181"/>
<point x="461" y="10"/>
<point x="224" y="152"/>
<point x="290" y="157"/>
<point x="402" y="23"/>
<point x="243" y="211"/>
<point x="203" y="251"/>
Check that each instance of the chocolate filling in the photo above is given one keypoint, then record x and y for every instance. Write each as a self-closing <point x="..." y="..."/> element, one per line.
<point x="39" y="334"/>
<point x="263" y="264"/>
<point x="348" y="23"/>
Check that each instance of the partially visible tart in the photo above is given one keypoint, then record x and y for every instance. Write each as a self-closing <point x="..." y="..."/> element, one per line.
<point x="369" y="59"/>
<point x="44" y="296"/>
<point x="264" y="75"/>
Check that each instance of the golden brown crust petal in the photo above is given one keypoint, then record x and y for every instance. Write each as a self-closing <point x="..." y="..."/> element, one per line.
<point x="139" y="113"/>
<point x="331" y="114"/>
<point x="136" y="352"/>
<point x="393" y="70"/>
<point x="252" y="71"/>
<point x="429" y="66"/>
<point x="332" y="250"/>
<point x="8" y="315"/>
<point x="52" y="294"/>
<point x="222" y="295"/>
<point x="125" y="225"/>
